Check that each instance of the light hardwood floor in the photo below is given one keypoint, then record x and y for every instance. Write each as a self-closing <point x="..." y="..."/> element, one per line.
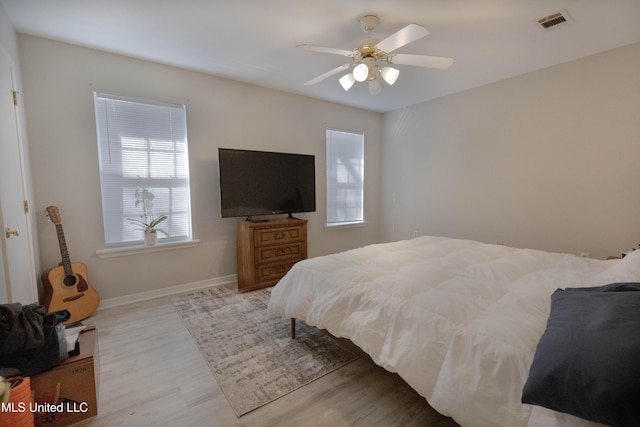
<point x="152" y="373"/>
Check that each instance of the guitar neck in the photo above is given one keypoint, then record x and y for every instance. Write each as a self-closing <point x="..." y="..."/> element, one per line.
<point x="64" y="252"/>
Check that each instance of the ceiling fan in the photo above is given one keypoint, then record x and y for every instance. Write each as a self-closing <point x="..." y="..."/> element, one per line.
<point x="366" y="56"/>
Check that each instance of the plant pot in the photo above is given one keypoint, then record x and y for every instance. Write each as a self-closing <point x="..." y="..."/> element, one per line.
<point x="150" y="237"/>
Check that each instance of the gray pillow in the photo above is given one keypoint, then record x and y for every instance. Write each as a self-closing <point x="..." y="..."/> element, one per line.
<point x="587" y="362"/>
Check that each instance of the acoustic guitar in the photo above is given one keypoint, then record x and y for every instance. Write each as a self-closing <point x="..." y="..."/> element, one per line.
<point x="66" y="286"/>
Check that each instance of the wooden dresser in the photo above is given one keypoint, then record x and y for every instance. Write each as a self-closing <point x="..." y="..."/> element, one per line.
<point x="267" y="250"/>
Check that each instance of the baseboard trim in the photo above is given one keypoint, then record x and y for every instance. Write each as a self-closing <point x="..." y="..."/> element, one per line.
<point x="171" y="290"/>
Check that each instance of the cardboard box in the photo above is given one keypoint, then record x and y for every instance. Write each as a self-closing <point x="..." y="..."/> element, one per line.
<point x="67" y="393"/>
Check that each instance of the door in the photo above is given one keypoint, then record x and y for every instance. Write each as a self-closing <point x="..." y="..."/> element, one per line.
<point x="18" y="280"/>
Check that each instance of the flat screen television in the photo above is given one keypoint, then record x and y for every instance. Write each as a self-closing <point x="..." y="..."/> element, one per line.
<point x="255" y="183"/>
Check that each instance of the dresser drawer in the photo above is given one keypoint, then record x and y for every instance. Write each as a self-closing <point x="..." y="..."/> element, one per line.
<point x="273" y="272"/>
<point x="266" y="250"/>
<point x="270" y="254"/>
<point x="271" y="236"/>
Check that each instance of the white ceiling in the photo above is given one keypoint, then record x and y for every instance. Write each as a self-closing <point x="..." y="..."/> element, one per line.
<point x="255" y="41"/>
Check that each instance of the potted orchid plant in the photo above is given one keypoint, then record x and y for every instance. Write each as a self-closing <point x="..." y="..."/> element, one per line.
<point x="148" y="222"/>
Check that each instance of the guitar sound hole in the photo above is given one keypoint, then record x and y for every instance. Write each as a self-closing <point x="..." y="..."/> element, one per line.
<point x="70" y="280"/>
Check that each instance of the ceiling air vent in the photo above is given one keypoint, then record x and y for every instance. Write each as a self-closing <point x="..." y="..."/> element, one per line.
<point x="556" y="20"/>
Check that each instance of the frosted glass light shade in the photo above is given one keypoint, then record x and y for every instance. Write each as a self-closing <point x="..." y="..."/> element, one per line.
<point x="347" y="81"/>
<point x="375" y="86"/>
<point x="390" y="74"/>
<point x="361" y="72"/>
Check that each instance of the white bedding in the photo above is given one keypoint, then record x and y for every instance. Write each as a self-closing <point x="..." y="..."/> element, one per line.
<point x="458" y="320"/>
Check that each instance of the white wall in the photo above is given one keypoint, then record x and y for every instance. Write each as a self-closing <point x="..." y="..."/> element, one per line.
<point x="548" y="160"/>
<point x="59" y="83"/>
<point x="8" y="36"/>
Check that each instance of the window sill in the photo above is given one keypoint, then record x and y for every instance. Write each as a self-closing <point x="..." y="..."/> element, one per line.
<point x="142" y="249"/>
<point x="328" y="227"/>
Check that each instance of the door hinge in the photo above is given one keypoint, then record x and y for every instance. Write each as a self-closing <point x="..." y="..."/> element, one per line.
<point x="15" y="98"/>
<point x="26" y="206"/>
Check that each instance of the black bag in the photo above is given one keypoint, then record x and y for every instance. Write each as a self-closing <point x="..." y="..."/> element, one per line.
<point x="29" y="342"/>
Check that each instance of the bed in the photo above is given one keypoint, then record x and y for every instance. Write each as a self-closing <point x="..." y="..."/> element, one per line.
<point x="460" y="321"/>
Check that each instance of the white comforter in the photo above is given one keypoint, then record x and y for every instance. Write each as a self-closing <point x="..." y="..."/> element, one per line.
<point x="458" y="320"/>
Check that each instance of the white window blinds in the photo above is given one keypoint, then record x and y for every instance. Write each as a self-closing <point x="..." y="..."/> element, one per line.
<point x="345" y="177"/>
<point x="142" y="145"/>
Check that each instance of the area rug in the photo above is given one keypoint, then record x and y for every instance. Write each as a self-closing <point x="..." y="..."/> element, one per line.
<point x="252" y="356"/>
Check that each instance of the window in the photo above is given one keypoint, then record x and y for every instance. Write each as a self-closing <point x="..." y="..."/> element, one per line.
<point x="142" y="145"/>
<point x="345" y="177"/>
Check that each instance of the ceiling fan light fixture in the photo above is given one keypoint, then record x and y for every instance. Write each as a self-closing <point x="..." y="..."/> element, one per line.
<point x="366" y="56"/>
<point x="361" y="72"/>
<point x="347" y="81"/>
<point x="375" y="86"/>
<point x="390" y="74"/>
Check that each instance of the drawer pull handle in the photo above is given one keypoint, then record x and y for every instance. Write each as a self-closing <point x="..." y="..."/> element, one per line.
<point x="280" y="235"/>
<point x="280" y="252"/>
<point x="282" y="269"/>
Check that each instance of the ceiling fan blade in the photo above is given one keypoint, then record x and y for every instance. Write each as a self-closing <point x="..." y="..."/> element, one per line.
<point x="441" y="62"/>
<point x="408" y="34"/>
<point x="327" y="74"/>
<point x="326" y="49"/>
